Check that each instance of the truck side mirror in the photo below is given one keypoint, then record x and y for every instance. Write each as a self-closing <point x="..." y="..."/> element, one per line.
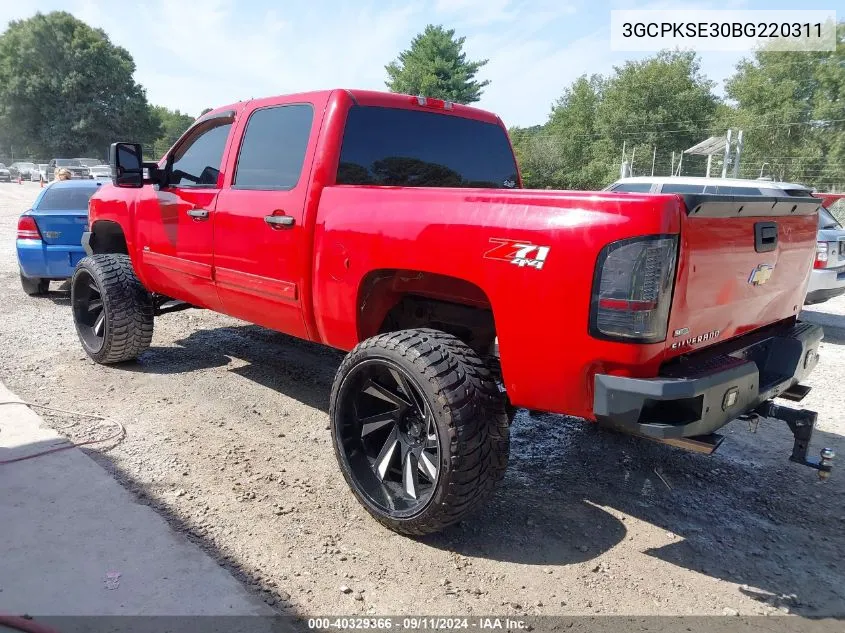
<point x="127" y="165"/>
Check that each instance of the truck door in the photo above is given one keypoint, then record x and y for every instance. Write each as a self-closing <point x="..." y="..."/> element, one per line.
<point x="261" y="244"/>
<point x="176" y="222"/>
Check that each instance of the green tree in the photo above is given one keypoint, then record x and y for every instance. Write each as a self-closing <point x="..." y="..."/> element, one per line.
<point x="663" y="102"/>
<point x="436" y="66"/>
<point x="173" y="125"/>
<point x="791" y="108"/>
<point x="66" y="90"/>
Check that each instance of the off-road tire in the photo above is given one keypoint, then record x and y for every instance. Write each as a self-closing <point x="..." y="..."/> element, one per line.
<point x="34" y="286"/>
<point x="128" y="307"/>
<point x="469" y="413"/>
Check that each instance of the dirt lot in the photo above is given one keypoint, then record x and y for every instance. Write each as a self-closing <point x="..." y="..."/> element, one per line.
<point x="228" y="438"/>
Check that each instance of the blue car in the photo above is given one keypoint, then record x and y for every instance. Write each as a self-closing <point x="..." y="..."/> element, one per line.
<point x="50" y="234"/>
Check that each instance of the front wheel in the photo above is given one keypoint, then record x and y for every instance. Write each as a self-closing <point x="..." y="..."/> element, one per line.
<point x="112" y="311"/>
<point x="419" y="429"/>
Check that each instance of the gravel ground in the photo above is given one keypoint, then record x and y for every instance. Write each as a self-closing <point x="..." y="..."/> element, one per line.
<point x="228" y="438"/>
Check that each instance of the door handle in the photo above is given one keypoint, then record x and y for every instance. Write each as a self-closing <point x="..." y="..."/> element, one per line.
<point x="198" y="214"/>
<point x="279" y="221"/>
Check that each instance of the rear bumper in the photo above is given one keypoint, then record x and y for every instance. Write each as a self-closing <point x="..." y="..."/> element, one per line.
<point x="826" y="284"/>
<point x="709" y="389"/>
<point x="826" y="279"/>
<point x="48" y="261"/>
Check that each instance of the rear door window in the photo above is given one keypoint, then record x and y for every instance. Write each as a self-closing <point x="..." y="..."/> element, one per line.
<point x="412" y="148"/>
<point x="273" y="148"/>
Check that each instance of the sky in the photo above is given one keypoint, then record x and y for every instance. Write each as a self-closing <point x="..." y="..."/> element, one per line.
<point x="196" y="54"/>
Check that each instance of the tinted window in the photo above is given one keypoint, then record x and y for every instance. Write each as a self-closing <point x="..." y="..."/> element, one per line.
<point x="196" y="162"/>
<point x="676" y="187"/>
<point x="726" y="190"/>
<point x="827" y="221"/>
<point x="66" y="198"/>
<point x="67" y="162"/>
<point x="633" y="187"/>
<point x="410" y="148"/>
<point x="798" y="192"/>
<point x="274" y="146"/>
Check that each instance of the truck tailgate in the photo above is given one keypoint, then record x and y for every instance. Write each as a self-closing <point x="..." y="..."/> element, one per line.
<point x="744" y="262"/>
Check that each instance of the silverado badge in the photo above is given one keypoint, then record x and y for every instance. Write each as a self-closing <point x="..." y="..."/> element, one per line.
<point x="694" y="340"/>
<point x="761" y="274"/>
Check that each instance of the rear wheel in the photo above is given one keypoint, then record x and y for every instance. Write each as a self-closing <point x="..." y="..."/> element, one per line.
<point x="34" y="285"/>
<point x="419" y="429"/>
<point x="112" y="311"/>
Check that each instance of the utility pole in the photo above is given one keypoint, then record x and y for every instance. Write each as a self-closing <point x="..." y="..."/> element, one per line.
<point x="727" y="155"/>
<point x="672" y="169"/>
<point x="738" y="154"/>
<point x="633" y="153"/>
<point x="653" y="158"/>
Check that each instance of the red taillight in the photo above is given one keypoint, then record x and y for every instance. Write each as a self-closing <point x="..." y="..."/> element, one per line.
<point x="821" y="255"/>
<point x="428" y="102"/>
<point x="28" y="229"/>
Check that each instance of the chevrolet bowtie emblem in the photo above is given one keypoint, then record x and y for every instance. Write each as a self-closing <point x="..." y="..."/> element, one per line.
<point x="761" y="274"/>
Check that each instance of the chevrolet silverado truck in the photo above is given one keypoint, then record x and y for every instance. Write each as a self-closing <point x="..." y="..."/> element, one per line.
<point x="396" y="228"/>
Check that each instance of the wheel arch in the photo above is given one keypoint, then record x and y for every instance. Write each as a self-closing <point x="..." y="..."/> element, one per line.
<point x="396" y="299"/>
<point x="107" y="236"/>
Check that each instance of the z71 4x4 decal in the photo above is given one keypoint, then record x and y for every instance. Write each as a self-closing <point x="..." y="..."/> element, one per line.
<point x="518" y="252"/>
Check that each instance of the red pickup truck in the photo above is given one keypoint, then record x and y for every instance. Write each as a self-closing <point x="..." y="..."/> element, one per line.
<point x="395" y="227"/>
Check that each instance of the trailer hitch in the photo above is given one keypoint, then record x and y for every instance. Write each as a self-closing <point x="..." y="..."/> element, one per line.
<point x="801" y="422"/>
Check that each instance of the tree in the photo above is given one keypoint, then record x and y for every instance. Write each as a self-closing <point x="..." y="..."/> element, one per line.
<point x="173" y="125"/>
<point x="66" y="90"/>
<point x="791" y="107"/>
<point x="436" y="66"/>
<point x="661" y="102"/>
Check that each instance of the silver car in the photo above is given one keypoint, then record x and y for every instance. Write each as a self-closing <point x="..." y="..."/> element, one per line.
<point x="828" y="277"/>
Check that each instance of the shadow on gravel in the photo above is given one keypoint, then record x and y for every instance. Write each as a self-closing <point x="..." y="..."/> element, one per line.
<point x="832" y="324"/>
<point x="744" y="515"/>
<point x="293" y="367"/>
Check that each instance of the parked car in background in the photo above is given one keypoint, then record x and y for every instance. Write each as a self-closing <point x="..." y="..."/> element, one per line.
<point x="24" y="170"/>
<point x="696" y="184"/>
<point x="76" y="169"/>
<point x="5" y="174"/>
<point x="100" y="173"/>
<point x="50" y="234"/>
<point x="827" y="279"/>
<point x="40" y="173"/>
<point x="89" y="162"/>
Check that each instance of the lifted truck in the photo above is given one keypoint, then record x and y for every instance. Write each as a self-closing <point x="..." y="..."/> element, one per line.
<point x="395" y="227"/>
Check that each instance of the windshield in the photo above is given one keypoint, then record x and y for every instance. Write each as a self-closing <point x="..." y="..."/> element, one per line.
<point x="410" y="148"/>
<point x="88" y="162"/>
<point x="66" y="199"/>
<point x="827" y="221"/>
<point x="26" y="165"/>
<point x="2" y="166"/>
<point x="67" y="162"/>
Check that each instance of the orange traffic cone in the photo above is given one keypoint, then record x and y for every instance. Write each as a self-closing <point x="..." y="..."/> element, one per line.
<point x="41" y="180"/>
<point x="20" y="182"/>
